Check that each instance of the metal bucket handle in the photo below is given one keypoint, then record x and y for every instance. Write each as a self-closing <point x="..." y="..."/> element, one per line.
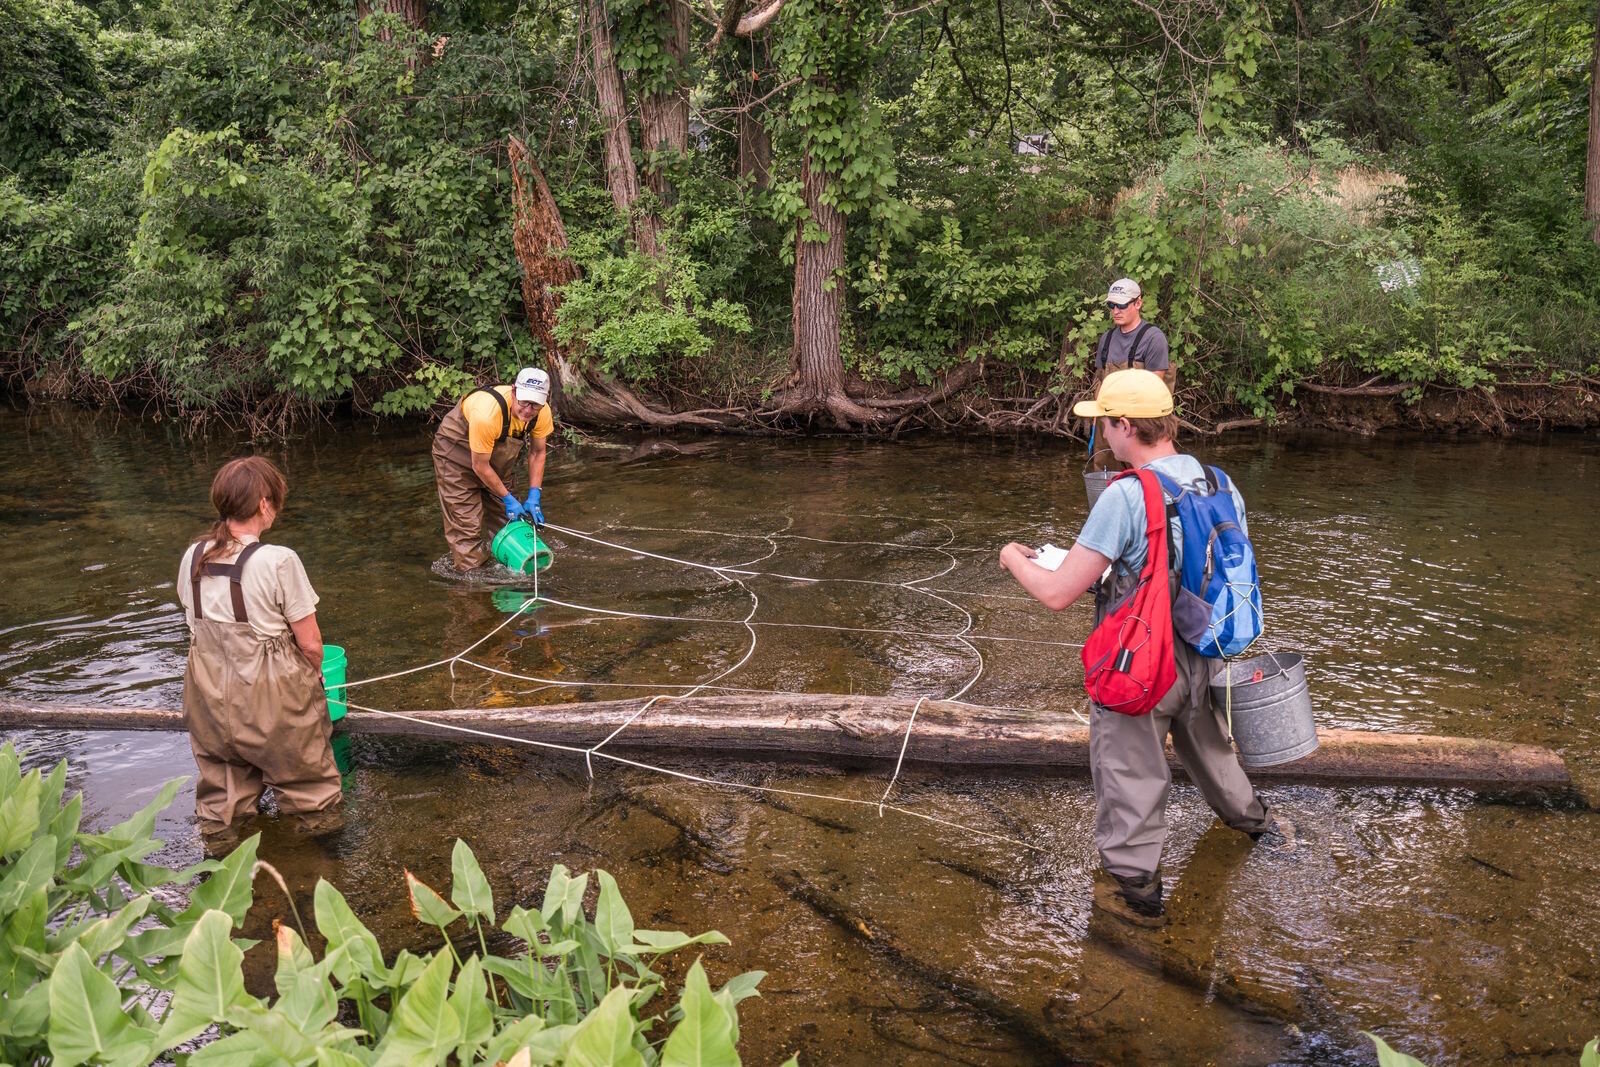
<point x="1227" y="686"/>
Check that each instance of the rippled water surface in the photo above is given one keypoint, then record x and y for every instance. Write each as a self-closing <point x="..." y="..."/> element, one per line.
<point x="1434" y="585"/>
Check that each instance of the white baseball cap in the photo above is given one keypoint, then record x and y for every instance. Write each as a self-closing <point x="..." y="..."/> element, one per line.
<point x="533" y="384"/>
<point x="1123" y="291"/>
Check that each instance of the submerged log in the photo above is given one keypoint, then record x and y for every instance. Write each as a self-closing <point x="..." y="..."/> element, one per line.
<point x="872" y="728"/>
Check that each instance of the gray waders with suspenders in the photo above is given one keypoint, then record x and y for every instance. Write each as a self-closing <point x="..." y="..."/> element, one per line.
<point x="1103" y="461"/>
<point x="255" y="709"/>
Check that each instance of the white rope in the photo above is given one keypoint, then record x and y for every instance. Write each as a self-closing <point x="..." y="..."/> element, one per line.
<point x="904" y="742"/>
<point x="735" y="574"/>
<point x="776" y="790"/>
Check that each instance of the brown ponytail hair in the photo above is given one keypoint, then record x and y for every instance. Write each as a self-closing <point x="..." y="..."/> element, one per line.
<point x="237" y="492"/>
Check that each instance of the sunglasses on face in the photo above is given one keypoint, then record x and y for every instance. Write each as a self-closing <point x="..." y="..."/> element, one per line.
<point x="1114" y="306"/>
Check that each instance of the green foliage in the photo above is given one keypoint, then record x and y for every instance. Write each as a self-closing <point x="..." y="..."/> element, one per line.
<point x="633" y="315"/>
<point x="1388" y="1057"/>
<point x="94" y="968"/>
<point x="51" y="92"/>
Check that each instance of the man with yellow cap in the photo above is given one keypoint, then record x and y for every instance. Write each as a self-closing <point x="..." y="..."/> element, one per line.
<point x="1127" y="756"/>
<point x="474" y="452"/>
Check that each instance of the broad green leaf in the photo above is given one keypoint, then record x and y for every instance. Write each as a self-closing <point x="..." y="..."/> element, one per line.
<point x="107" y="934"/>
<point x="305" y="996"/>
<point x="34" y="870"/>
<point x="407" y="969"/>
<point x="329" y="1057"/>
<point x="64" y="828"/>
<point x="525" y="924"/>
<point x="564" y="894"/>
<point x="10" y="770"/>
<point x="704" y="1036"/>
<point x="550" y="1044"/>
<point x="739" y="988"/>
<point x="517" y="974"/>
<point x="505" y="1044"/>
<point x="339" y="925"/>
<point x="90" y="875"/>
<point x="659" y="941"/>
<point x="1591" y="1054"/>
<point x="1388" y="1057"/>
<point x="142" y="823"/>
<point x="612" y="920"/>
<point x="605" y="1037"/>
<point x="86" y="1017"/>
<point x="470" y="999"/>
<point x="469" y="889"/>
<point x="424" y="1026"/>
<point x="28" y="1015"/>
<point x="231" y="888"/>
<point x="428" y="906"/>
<point x="210" y="981"/>
<point x="19" y="814"/>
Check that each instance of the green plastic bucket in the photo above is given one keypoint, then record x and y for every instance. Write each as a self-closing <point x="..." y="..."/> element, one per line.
<point x="518" y="546"/>
<point x="333" y="664"/>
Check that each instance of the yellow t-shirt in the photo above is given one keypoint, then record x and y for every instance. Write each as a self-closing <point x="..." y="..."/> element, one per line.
<point x="483" y="419"/>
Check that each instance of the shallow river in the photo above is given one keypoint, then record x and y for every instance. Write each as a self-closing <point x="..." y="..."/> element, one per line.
<point x="1434" y="585"/>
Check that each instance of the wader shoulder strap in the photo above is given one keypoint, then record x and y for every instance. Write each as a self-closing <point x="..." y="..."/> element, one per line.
<point x="1134" y="358"/>
<point x="234" y="572"/>
<point x="194" y="579"/>
<point x="505" y="412"/>
<point x="1103" y="347"/>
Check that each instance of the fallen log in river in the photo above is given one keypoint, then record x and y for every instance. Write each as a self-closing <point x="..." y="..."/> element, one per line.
<point x="873" y="728"/>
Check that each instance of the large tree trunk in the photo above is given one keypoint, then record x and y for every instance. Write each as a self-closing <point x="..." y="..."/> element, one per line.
<point x="1591" y="197"/>
<point x="622" y="177"/>
<point x="664" y="115"/>
<point x="817" y="378"/>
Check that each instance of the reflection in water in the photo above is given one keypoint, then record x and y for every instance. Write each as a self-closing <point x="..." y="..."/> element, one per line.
<point x="1432" y="586"/>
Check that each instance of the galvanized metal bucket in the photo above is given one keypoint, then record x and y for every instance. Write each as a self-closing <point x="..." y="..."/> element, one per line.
<point x="1271" y="714"/>
<point x="1095" y="482"/>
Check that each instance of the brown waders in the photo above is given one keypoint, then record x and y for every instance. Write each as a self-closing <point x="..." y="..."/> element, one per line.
<point x="1128" y="763"/>
<point x="472" y="514"/>
<point x="256" y="713"/>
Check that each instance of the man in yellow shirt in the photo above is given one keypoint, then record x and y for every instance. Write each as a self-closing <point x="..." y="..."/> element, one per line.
<point x="473" y="453"/>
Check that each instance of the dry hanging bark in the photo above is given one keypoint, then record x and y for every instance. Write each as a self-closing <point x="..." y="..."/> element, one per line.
<point x="540" y="239"/>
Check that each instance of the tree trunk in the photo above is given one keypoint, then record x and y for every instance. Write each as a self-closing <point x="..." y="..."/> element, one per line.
<point x="540" y="239"/>
<point x="817" y="365"/>
<point x="834" y="725"/>
<point x="415" y="12"/>
<point x="1591" y="196"/>
<point x="622" y="178"/>
<point x="664" y="115"/>
<point x="755" y="151"/>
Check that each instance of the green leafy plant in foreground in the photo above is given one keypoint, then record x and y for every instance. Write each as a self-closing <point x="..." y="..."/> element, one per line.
<point x="102" y="962"/>
<point x="1388" y="1057"/>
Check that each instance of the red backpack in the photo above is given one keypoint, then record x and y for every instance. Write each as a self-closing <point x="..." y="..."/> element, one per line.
<point x="1128" y="663"/>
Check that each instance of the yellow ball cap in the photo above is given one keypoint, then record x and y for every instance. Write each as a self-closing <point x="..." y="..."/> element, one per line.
<point x="1128" y="394"/>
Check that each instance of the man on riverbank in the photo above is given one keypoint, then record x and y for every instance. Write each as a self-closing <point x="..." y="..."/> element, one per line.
<point x="1127" y="757"/>
<point x="474" y="452"/>
<point x="1131" y="342"/>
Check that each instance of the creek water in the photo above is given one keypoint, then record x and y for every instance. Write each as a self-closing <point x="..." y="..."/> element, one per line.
<point x="1434" y="585"/>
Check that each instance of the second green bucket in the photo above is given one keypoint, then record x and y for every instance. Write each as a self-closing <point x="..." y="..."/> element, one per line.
<point x="519" y="547"/>
<point x="333" y="664"/>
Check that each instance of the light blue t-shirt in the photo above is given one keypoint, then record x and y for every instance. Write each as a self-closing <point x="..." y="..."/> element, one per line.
<point x="1115" y="527"/>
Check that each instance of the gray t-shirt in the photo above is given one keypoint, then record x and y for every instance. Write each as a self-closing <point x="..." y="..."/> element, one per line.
<point x="1152" y="352"/>
<point x="1115" y="527"/>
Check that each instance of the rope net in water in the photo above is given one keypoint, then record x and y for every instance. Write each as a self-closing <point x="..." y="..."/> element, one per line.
<point x="738" y="574"/>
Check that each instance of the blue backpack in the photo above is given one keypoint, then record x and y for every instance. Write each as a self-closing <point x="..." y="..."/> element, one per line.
<point x="1218" y="608"/>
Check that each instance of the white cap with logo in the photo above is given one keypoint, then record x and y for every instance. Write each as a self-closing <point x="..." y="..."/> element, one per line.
<point x="533" y="384"/>
<point x="1123" y="291"/>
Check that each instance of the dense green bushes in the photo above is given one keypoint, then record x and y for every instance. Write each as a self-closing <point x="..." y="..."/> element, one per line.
<point x="237" y="208"/>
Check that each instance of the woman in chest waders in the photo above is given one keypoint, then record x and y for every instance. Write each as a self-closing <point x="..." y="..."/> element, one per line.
<point x="253" y="700"/>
